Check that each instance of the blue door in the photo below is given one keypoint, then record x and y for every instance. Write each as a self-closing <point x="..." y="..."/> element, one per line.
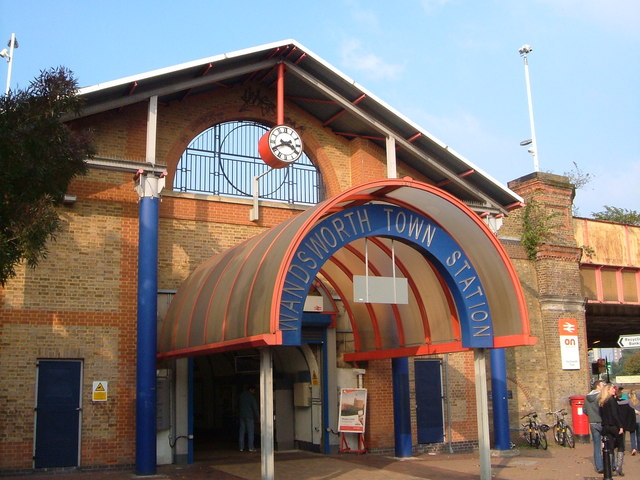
<point x="429" y="415"/>
<point x="58" y="413"/>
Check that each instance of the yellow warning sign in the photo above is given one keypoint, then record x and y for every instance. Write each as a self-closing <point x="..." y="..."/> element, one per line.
<point x="100" y="390"/>
<point x="314" y="378"/>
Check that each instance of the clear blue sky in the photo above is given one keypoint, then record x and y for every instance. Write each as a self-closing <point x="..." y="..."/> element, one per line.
<point x="451" y="66"/>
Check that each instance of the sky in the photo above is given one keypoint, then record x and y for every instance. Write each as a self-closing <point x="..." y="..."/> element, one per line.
<point x="450" y="66"/>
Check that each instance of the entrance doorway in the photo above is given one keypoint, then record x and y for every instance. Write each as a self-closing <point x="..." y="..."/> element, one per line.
<point x="429" y="418"/>
<point x="219" y="379"/>
<point x="58" y="409"/>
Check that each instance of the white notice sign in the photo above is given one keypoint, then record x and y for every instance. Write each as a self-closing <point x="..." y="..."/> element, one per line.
<point x="569" y="346"/>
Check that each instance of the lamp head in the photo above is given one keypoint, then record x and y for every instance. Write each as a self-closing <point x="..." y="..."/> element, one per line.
<point x="525" y="49"/>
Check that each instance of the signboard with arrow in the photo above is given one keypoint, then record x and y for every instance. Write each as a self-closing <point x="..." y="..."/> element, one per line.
<point x="629" y="341"/>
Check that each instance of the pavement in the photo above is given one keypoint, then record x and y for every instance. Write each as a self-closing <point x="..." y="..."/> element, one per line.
<point x="523" y="463"/>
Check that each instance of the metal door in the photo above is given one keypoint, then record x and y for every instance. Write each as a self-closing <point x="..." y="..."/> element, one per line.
<point x="429" y="410"/>
<point x="58" y="411"/>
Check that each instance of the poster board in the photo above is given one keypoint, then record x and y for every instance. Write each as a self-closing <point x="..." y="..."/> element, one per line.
<point x="569" y="345"/>
<point x="353" y="410"/>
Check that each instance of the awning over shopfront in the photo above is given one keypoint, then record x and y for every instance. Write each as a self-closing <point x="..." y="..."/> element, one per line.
<point x="462" y="289"/>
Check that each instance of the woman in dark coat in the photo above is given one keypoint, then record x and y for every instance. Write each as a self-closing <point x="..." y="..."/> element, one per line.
<point x="612" y="428"/>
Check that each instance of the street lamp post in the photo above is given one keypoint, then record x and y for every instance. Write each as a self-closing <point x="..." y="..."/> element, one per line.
<point x="8" y="55"/>
<point x="533" y="150"/>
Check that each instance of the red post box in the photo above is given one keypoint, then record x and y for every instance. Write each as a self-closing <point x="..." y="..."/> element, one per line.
<point x="580" y="419"/>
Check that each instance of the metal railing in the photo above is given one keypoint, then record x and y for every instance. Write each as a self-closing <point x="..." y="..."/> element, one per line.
<point x="224" y="159"/>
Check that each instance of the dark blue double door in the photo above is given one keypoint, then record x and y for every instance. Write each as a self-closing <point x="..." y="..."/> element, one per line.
<point x="429" y="415"/>
<point x="58" y="410"/>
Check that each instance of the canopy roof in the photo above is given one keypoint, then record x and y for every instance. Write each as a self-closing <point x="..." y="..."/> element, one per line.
<point x="318" y="88"/>
<point x="462" y="289"/>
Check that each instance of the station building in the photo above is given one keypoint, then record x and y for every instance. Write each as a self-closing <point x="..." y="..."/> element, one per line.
<point x="379" y="261"/>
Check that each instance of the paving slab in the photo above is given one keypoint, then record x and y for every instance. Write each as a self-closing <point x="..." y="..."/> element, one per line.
<point x="556" y="463"/>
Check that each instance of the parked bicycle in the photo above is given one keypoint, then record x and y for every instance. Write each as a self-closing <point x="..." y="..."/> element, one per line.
<point x="534" y="432"/>
<point x="562" y="431"/>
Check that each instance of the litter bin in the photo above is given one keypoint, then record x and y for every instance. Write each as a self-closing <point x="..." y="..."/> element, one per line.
<point x="580" y="419"/>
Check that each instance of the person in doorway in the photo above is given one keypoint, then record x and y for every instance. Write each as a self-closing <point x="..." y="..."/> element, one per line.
<point x="592" y="410"/>
<point x="248" y="413"/>
<point x="634" y="402"/>
<point x="612" y="428"/>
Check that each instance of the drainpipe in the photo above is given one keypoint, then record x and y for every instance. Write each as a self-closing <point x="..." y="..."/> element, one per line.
<point x="448" y="400"/>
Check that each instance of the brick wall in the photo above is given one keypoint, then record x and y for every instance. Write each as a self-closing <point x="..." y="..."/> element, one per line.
<point x="80" y="302"/>
<point x="551" y="283"/>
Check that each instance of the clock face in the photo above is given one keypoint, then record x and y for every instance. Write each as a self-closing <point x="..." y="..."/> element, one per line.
<point x="285" y="143"/>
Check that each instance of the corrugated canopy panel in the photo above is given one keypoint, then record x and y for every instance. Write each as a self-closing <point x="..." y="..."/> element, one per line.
<point x="462" y="289"/>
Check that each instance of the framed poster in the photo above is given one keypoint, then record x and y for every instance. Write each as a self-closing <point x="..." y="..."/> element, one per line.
<point x="353" y="410"/>
<point x="569" y="349"/>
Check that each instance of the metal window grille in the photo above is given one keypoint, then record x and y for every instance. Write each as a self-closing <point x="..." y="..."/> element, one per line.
<point x="224" y="159"/>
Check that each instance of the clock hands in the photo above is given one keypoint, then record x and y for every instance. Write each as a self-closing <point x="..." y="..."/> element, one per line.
<point x="289" y="143"/>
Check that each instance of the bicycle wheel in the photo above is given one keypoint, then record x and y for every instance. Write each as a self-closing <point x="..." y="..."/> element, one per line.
<point x="542" y="439"/>
<point x="557" y="434"/>
<point x="569" y="438"/>
<point x="527" y="433"/>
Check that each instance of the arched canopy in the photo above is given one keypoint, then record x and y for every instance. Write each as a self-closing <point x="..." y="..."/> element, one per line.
<point x="462" y="291"/>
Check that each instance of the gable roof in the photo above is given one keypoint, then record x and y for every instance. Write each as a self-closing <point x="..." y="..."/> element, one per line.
<point x="318" y="88"/>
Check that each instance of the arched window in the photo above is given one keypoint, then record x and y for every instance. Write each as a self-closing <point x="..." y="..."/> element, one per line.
<point x="223" y="160"/>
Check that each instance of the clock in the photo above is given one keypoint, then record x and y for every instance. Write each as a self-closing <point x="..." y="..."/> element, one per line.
<point x="280" y="146"/>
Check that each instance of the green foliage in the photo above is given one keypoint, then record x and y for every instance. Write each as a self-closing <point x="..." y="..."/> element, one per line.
<point x="537" y="227"/>
<point x="577" y="177"/>
<point x="588" y="251"/>
<point x="618" y="215"/>
<point x="39" y="156"/>
<point x="630" y="364"/>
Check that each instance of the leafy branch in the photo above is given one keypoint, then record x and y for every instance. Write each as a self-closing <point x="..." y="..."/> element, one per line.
<point x="537" y="227"/>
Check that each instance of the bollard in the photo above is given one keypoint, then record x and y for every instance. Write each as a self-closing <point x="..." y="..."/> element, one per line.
<point x="606" y="457"/>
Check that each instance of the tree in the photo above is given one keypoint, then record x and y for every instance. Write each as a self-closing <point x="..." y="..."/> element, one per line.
<point x="618" y="215"/>
<point x="630" y="364"/>
<point x="39" y="156"/>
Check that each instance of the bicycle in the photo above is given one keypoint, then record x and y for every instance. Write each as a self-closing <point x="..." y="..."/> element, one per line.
<point x="562" y="431"/>
<point x="534" y="432"/>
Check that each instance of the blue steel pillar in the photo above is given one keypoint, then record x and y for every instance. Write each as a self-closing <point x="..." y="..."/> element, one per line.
<point x="148" y="187"/>
<point x="401" y="407"/>
<point x="502" y="440"/>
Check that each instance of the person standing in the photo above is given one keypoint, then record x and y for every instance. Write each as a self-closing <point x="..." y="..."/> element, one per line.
<point x="634" y="402"/>
<point x="592" y="410"/>
<point x="612" y="430"/>
<point x="627" y="416"/>
<point x="248" y="413"/>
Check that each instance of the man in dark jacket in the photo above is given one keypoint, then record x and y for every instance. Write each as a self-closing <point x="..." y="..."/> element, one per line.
<point x="248" y="412"/>
<point x="592" y="410"/>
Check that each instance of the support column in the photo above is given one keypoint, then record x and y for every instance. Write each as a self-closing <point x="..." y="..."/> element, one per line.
<point x="392" y="171"/>
<point x="401" y="407"/>
<point x="482" y="409"/>
<point x="266" y="414"/>
<point x="502" y="440"/>
<point x="148" y="187"/>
